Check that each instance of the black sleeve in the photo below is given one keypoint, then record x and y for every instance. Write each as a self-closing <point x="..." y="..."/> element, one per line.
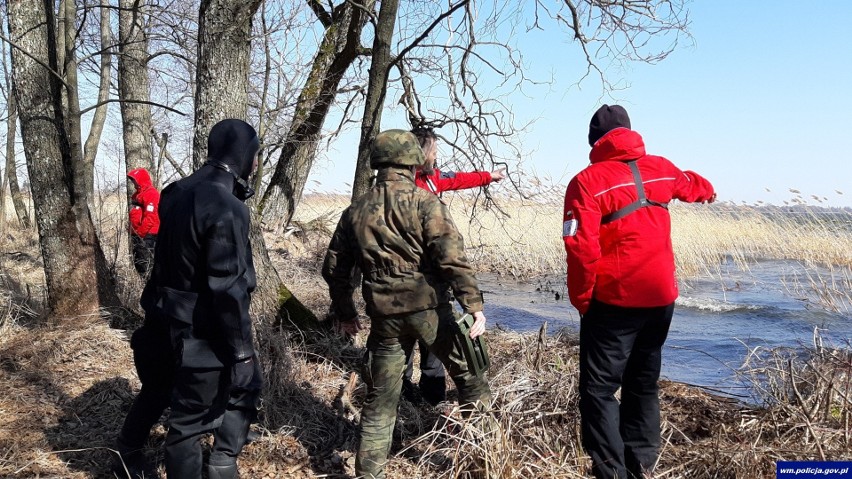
<point x="228" y="278"/>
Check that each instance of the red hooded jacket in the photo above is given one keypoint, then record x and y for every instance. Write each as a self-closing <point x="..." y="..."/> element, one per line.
<point x="145" y="204"/>
<point x="628" y="262"/>
<point x="438" y="182"/>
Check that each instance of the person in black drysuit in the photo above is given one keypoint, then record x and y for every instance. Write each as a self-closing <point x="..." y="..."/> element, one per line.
<point x="154" y="361"/>
<point x="204" y="279"/>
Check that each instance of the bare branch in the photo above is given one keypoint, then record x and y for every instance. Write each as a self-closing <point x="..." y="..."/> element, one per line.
<point x="322" y="15"/>
<point x="162" y="143"/>
<point x="37" y="60"/>
<point x="368" y="12"/>
<point x="116" y="100"/>
<point x="426" y="32"/>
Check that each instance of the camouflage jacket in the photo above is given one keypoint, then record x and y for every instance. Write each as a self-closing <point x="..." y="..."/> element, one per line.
<point x="405" y="243"/>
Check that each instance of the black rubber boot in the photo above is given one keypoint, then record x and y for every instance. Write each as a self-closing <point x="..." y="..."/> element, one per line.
<point x="411" y="392"/>
<point x="184" y="459"/>
<point x="132" y="463"/>
<point x="228" y="471"/>
<point x="252" y="436"/>
<point x="433" y="389"/>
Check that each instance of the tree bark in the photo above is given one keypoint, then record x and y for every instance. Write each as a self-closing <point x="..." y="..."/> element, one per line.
<point x="339" y="48"/>
<point x="73" y="259"/>
<point x="222" y="92"/>
<point x="271" y="294"/>
<point x="224" y="49"/>
<point x="134" y="92"/>
<point x="12" y="168"/>
<point x="133" y="87"/>
<point x="2" y="203"/>
<point x="73" y="135"/>
<point x="376" y="90"/>
<point x="90" y="149"/>
<point x="60" y="45"/>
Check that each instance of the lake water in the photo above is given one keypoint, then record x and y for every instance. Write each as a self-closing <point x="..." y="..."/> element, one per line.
<point x="716" y="321"/>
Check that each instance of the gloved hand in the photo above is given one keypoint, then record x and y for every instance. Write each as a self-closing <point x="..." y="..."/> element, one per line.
<point x="242" y="373"/>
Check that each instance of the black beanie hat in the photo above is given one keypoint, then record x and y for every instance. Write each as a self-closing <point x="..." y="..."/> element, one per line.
<point x="605" y="119"/>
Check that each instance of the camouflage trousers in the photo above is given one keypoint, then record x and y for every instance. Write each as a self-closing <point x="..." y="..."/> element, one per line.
<point x="390" y="341"/>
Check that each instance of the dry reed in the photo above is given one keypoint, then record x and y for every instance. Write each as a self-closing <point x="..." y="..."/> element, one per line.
<point x="522" y="239"/>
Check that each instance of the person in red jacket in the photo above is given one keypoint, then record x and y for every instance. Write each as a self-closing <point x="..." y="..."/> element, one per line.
<point x="144" y="218"/>
<point x="433" y="383"/>
<point x="432" y="179"/>
<point x="621" y="278"/>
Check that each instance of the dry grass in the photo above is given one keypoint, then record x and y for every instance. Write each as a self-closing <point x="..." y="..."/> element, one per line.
<point x="67" y="389"/>
<point x="67" y="392"/>
<point x="64" y="390"/>
<point x="804" y="416"/>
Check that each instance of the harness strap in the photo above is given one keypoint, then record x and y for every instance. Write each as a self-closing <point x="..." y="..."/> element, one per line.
<point x="641" y="202"/>
<point x="431" y="184"/>
<point x="434" y="189"/>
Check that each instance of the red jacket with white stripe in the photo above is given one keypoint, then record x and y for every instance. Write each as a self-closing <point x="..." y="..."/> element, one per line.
<point x="438" y="181"/>
<point x="145" y="204"/>
<point x="628" y="262"/>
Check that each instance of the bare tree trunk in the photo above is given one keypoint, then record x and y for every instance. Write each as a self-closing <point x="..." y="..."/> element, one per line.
<point x="224" y="48"/>
<point x="224" y="42"/>
<point x="376" y="89"/>
<point x="73" y="259"/>
<point x="60" y="45"/>
<point x="81" y="191"/>
<point x="339" y="48"/>
<point x="262" y="107"/>
<point x="12" y="168"/>
<point x="133" y="90"/>
<point x="222" y="92"/>
<point x="272" y="295"/>
<point x="133" y="86"/>
<point x="90" y="149"/>
<point x="2" y="205"/>
<point x="162" y="142"/>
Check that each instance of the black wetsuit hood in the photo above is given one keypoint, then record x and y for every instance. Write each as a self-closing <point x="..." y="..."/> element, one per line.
<point x="232" y="146"/>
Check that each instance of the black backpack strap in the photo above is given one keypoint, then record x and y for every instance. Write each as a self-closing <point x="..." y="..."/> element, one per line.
<point x="641" y="202"/>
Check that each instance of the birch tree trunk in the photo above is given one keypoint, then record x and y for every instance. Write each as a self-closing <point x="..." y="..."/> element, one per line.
<point x="78" y="282"/>
<point x="376" y="90"/>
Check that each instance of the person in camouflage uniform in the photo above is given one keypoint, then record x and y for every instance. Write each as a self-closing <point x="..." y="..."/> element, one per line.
<point x="432" y="386"/>
<point x="405" y="243"/>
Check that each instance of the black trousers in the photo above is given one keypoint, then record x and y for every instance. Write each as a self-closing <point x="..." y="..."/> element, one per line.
<point x="621" y="348"/>
<point x="433" y="378"/>
<point x="143" y="252"/>
<point x="203" y="401"/>
<point x="155" y="365"/>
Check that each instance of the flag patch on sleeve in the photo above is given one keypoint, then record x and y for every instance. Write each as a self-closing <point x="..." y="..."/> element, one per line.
<point x="569" y="228"/>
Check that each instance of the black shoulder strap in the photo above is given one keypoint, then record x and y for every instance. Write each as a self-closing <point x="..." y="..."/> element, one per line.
<point x="641" y="202"/>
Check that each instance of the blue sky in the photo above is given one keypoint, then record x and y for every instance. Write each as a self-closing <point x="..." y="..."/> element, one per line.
<point x="759" y="100"/>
